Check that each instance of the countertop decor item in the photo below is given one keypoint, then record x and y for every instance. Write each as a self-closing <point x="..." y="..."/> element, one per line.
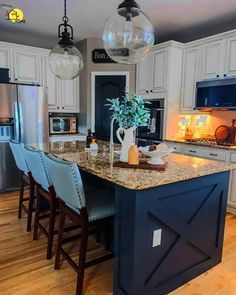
<point x="133" y="155"/>
<point x="128" y="35"/>
<point x="65" y="59"/>
<point x="130" y="112"/>
<point x="156" y="155"/>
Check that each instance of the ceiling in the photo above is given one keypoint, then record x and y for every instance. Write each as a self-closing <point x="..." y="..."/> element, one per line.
<point x="181" y="20"/>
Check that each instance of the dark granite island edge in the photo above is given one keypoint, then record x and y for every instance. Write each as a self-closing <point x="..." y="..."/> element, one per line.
<point x="191" y="215"/>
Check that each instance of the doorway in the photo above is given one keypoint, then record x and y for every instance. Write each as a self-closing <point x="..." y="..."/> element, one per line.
<point x="106" y="85"/>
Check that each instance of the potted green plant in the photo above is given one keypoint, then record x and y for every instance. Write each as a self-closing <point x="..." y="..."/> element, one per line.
<point x="130" y="112"/>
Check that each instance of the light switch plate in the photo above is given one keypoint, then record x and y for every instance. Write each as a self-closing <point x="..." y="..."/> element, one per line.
<point x="156" y="238"/>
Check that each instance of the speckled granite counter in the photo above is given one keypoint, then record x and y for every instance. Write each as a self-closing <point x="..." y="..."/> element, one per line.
<point x="179" y="167"/>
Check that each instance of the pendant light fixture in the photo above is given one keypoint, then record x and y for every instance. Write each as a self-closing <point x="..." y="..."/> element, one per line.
<point x="128" y="35"/>
<point x="65" y="59"/>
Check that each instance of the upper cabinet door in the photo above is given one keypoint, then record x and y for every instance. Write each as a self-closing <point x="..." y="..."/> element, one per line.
<point x="230" y="66"/>
<point x="158" y="70"/>
<point x="6" y="60"/>
<point x="51" y="82"/>
<point x="142" y="76"/>
<point x="27" y="67"/>
<point x="189" y="78"/>
<point x="212" y="60"/>
<point x="70" y="95"/>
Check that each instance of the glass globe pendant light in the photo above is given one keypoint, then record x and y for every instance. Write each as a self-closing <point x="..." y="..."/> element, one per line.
<point x="128" y="35"/>
<point x="65" y="59"/>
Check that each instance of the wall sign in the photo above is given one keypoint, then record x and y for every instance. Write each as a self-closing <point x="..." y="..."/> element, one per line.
<point x="100" y="56"/>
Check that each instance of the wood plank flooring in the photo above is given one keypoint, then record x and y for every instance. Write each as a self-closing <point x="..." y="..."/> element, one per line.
<point x="24" y="269"/>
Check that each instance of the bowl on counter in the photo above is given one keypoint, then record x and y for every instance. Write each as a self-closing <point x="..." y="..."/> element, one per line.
<point x="156" y="155"/>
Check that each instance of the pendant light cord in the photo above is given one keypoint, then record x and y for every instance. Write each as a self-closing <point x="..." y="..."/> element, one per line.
<point x="65" y="18"/>
<point x="65" y="8"/>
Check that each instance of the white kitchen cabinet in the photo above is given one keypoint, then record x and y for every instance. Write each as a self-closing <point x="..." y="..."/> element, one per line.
<point x="230" y="60"/>
<point x="190" y="75"/>
<point x="63" y="96"/>
<point x="151" y="74"/>
<point x="158" y="68"/>
<point x="51" y="82"/>
<point x="142" y="76"/>
<point x="212" y="60"/>
<point x="27" y="66"/>
<point x="5" y="59"/>
<point x="57" y="138"/>
<point x="70" y="95"/>
<point x="204" y="152"/>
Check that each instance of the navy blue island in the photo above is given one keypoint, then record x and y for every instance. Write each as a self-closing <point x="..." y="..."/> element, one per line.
<point x="169" y="226"/>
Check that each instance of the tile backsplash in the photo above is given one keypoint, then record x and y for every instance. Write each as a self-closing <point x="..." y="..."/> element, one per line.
<point x="204" y="125"/>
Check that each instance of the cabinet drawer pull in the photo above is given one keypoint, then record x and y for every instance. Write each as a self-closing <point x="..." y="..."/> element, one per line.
<point x="214" y="155"/>
<point x="191" y="151"/>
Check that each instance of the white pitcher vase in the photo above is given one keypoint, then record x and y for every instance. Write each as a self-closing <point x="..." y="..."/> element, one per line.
<point x="126" y="142"/>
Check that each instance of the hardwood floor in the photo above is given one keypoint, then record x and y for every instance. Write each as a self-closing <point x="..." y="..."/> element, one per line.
<point x="24" y="269"/>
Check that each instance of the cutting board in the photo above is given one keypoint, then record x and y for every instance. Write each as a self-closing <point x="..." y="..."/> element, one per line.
<point x="142" y="165"/>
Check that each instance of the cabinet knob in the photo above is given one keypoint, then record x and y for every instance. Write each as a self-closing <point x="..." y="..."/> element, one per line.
<point x="58" y="108"/>
<point x="225" y="75"/>
<point x="151" y="91"/>
<point x="217" y="76"/>
<point x="63" y="108"/>
<point x="16" y="79"/>
<point x="147" y="91"/>
<point x="191" y="151"/>
<point x="214" y="155"/>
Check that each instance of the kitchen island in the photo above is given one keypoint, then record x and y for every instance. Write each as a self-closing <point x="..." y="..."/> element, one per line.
<point x="169" y="226"/>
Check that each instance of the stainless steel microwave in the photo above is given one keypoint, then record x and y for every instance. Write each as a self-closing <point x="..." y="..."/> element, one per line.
<point x="63" y="125"/>
<point x="216" y="94"/>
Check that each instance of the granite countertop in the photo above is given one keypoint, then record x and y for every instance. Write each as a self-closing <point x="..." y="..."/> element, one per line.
<point x="179" y="167"/>
<point x="217" y="146"/>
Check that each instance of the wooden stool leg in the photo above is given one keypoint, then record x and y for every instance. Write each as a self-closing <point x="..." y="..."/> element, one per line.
<point x="82" y="260"/>
<point x="22" y="187"/>
<point x="51" y="229"/>
<point x="37" y="214"/>
<point x="30" y="209"/>
<point x="60" y="237"/>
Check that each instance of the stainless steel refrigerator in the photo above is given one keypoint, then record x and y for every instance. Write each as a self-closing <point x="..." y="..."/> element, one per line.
<point x="24" y="108"/>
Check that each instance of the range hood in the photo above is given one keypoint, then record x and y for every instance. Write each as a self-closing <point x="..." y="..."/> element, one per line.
<point x="218" y="94"/>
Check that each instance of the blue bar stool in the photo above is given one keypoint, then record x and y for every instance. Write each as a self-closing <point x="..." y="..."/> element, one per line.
<point x="85" y="209"/>
<point x="26" y="180"/>
<point x="44" y="190"/>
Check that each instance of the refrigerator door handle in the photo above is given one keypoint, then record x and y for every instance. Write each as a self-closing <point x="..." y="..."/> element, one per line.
<point x="16" y="123"/>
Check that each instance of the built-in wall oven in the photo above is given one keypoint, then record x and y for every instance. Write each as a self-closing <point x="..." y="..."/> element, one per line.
<point x="153" y="133"/>
<point x="63" y="124"/>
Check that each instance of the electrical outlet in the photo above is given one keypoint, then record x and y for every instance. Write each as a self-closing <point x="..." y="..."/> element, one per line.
<point x="156" y="238"/>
